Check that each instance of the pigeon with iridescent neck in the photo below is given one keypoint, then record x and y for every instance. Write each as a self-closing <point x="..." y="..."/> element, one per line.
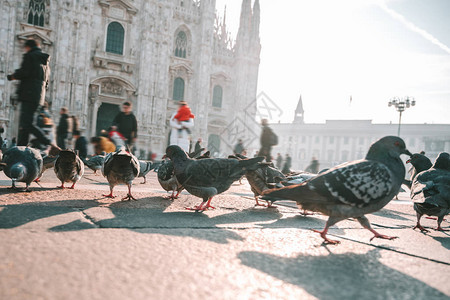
<point x="353" y="189"/>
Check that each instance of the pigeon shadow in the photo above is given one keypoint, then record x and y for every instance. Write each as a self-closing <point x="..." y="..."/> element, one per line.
<point x="445" y="241"/>
<point x="341" y="276"/>
<point x="177" y="223"/>
<point x="15" y="215"/>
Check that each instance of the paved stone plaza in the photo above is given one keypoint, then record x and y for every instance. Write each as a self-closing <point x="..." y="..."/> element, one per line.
<point x="76" y="244"/>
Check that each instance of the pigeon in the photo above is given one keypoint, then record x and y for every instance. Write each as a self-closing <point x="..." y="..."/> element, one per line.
<point x="23" y="164"/>
<point x="120" y="167"/>
<point x="419" y="163"/>
<point x="68" y="168"/>
<point x="145" y="167"/>
<point x="263" y="179"/>
<point x="207" y="177"/>
<point x="166" y="176"/>
<point x="95" y="163"/>
<point x="167" y="179"/>
<point x="352" y="189"/>
<point x="48" y="163"/>
<point x="430" y="191"/>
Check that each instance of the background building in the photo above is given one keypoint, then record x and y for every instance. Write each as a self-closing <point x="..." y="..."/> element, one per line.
<point x="338" y="141"/>
<point x="152" y="53"/>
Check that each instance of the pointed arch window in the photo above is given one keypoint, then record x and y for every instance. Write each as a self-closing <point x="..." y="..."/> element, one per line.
<point x="181" y="44"/>
<point x="178" y="89"/>
<point x="36" y="12"/>
<point x="115" y="38"/>
<point x="217" y="96"/>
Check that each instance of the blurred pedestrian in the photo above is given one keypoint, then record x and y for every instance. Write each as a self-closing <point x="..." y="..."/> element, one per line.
<point x="313" y="166"/>
<point x="287" y="165"/>
<point x="102" y="144"/>
<point x="268" y="139"/>
<point x="116" y="137"/>
<point x="198" y="145"/>
<point x="81" y="144"/>
<point x="64" y="128"/>
<point x="45" y="122"/>
<point x="33" y="74"/>
<point x="279" y="161"/>
<point x="239" y="147"/>
<point x="184" y="114"/>
<point x="126" y="124"/>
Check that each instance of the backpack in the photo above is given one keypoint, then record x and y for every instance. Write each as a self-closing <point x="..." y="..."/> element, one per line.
<point x="273" y="139"/>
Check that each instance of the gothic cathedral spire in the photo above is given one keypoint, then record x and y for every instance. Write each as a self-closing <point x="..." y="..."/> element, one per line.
<point x="299" y="112"/>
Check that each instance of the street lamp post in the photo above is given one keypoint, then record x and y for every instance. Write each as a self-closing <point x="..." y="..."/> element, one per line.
<point x="400" y="105"/>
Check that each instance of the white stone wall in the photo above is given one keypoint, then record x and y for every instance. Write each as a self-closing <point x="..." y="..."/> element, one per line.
<point x="335" y="142"/>
<point x="84" y="75"/>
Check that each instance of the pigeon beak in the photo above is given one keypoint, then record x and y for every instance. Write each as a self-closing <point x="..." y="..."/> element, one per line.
<point x="407" y="152"/>
<point x="164" y="157"/>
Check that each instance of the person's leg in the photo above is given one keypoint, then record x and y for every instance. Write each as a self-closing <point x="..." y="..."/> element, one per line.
<point x="26" y="126"/>
<point x="25" y="123"/>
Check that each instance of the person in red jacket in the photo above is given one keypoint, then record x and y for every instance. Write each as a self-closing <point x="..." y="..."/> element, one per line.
<point x="184" y="114"/>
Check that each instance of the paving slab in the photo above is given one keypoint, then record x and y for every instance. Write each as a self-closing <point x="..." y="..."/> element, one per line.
<point x="77" y="244"/>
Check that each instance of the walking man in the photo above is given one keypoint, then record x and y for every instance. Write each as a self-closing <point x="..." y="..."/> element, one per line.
<point x="126" y="123"/>
<point x="268" y="139"/>
<point x="64" y="128"/>
<point x="33" y="75"/>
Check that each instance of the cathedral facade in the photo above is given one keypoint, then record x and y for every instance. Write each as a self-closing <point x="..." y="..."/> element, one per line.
<point x="152" y="53"/>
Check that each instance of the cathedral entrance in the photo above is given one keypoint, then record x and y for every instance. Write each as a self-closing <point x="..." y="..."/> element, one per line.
<point x="105" y="116"/>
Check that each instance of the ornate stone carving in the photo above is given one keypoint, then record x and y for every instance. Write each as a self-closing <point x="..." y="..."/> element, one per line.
<point x="111" y="87"/>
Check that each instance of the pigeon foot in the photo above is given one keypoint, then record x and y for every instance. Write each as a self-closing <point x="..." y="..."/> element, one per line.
<point x="326" y="240"/>
<point x="109" y="195"/>
<point x="439" y="228"/>
<point x="385" y="237"/>
<point x="61" y="186"/>
<point x="128" y="197"/>
<point x="197" y="208"/>
<point x="422" y="229"/>
<point x="306" y="213"/>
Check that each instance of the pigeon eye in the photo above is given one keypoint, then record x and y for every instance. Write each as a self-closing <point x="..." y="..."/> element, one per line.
<point x="397" y="144"/>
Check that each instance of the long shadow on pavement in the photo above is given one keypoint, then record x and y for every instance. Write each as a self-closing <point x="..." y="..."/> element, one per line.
<point x="342" y="276"/>
<point x="15" y="215"/>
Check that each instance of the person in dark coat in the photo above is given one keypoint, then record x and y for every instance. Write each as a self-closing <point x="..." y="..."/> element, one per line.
<point x="126" y="123"/>
<point x="239" y="147"/>
<point x="198" y="145"/>
<point x="287" y="165"/>
<point x="33" y="75"/>
<point x="268" y="139"/>
<point x="64" y="128"/>
<point x="279" y="161"/>
<point x="81" y="144"/>
<point x="313" y="166"/>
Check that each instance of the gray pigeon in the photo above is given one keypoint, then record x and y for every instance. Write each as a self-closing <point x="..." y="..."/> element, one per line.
<point x="419" y="163"/>
<point x="120" y="167"/>
<point x="167" y="179"/>
<point x="353" y="189"/>
<point x="95" y="163"/>
<point x="263" y="179"/>
<point x="69" y="167"/>
<point x="145" y="167"/>
<point x="166" y="176"/>
<point x="430" y="191"/>
<point x="207" y="177"/>
<point x="23" y="164"/>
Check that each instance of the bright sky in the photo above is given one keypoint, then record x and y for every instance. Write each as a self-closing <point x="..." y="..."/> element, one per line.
<point x="371" y="50"/>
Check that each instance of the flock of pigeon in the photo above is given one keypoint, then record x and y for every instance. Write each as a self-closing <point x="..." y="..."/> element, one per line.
<point x="349" y="190"/>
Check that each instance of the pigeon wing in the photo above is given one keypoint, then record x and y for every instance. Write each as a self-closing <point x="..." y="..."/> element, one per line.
<point x="357" y="184"/>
